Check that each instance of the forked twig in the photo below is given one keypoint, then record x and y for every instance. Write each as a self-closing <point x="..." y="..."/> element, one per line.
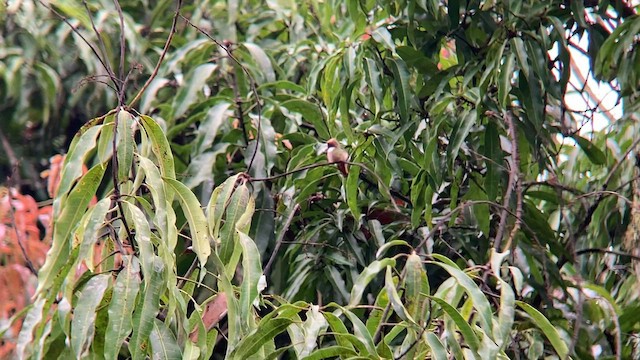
<point x="252" y="85"/>
<point x="167" y="43"/>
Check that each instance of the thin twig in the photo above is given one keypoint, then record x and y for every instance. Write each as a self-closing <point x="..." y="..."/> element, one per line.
<point x="123" y="43"/>
<point x="167" y="43"/>
<point x="283" y="231"/>
<point x="103" y="48"/>
<point x="114" y="172"/>
<point x="578" y="320"/>
<point x="18" y="235"/>
<point x="238" y="101"/>
<point x="605" y="185"/>
<point x="606" y="251"/>
<point x="77" y="32"/>
<point x="518" y="186"/>
<point x="252" y="85"/>
<point x="513" y="179"/>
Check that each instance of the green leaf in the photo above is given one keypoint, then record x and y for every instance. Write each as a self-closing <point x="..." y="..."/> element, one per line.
<point x="383" y="36"/>
<point x="265" y="332"/>
<point x="594" y="154"/>
<point x="218" y="204"/>
<point x="121" y="307"/>
<point x="547" y="328"/>
<point x="310" y="112"/>
<point x="125" y="144"/>
<point x="394" y="298"/>
<point x="193" y="84"/>
<point x="239" y="203"/>
<point x="365" y="278"/>
<point x="261" y="58"/>
<point x="66" y="223"/>
<point x="195" y="218"/>
<point x="163" y="342"/>
<point x="251" y="273"/>
<point x="467" y="332"/>
<point x="159" y="146"/>
<point x="373" y="79"/>
<point x="31" y="320"/>
<point x="518" y="45"/>
<point x="146" y="311"/>
<point x="416" y="286"/>
<point x="506" y="315"/>
<point x="82" y="145"/>
<point x="84" y="313"/>
<point x="403" y="89"/>
<point x="437" y="349"/>
<point x="331" y="352"/>
<point x="361" y="332"/>
<point x="494" y="159"/>
<point x="459" y="134"/>
<point x="94" y="223"/>
<point x="351" y="187"/>
<point x="340" y="331"/>
<point x="480" y="302"/>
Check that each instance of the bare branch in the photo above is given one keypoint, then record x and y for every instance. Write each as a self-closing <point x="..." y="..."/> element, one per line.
<point x="167" y="43"/>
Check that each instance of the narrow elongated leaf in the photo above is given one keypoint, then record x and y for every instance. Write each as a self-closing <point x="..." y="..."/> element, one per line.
<point x="416" y="287"/>
<point x="594" y="154"/>
<point x="195" y="218"/>
<point x="121" y="307"/>
<point x="125" y="145"/>
<point x="331" y="352"/>
<point x="143" y="239"/>
<point x="163" y="209"/>
<point x="493" y="152"/>
<point x="506" y="315"/>
<point x="480" y="302"/>
<point x="360" y="331"/>
<point x="146" y="311"/>
<point x="394" y="298"/>
<point x="237" y="206"/>
<point x="403" y="89"/>
<point x="163" y="342"/>
<point x="373" y="81"/>
<point x="195" y="82"/>
<point x="340" y="331"/>
<point x="262" y="59"/>
<point x="438" y="352"/>
<point x="159" y="146"/>
<point x="518" y="45"/>
<point x="266" y="331"/>
<point x="82" y="145"/>
<point x="383" y="36"/>
<point x="84" y="314"/>
<point x="459" y="134"/>
<point x="310" y="112"/>
<point x="218" y="205"/>
<point x="96" y="220"/>
<point x="547" y="328"/>
<point x="506" y="75"/>
<point x="467" y="332"/>
<point x="66" y="223"/>
<point x="365" y="278"/>
<point x="31" y="320"/>
<point x="251" y="271"/>
<point x="351" y="187"/>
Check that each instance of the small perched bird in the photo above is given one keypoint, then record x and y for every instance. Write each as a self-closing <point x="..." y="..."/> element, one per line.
<point x="336" y="154"/>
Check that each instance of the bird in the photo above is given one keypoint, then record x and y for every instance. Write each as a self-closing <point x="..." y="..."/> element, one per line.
<point x="337" y="155"/>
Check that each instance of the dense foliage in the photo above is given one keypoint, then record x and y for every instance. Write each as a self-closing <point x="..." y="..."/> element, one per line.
<point x="195" y="214"/>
